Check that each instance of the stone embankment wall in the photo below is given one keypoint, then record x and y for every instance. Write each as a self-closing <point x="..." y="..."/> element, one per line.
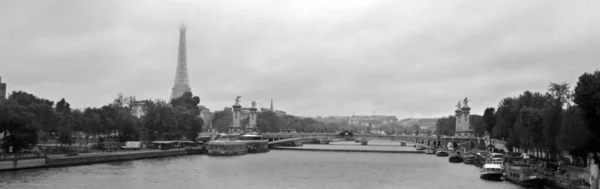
<point x="22" y="164"/>
<point x="79" y="160"/>
<point x="24" y="161"/>
<point x="21" y="161"/>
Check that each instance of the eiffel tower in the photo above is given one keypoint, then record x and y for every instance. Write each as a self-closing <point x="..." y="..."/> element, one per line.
<point x="182" y="83"/>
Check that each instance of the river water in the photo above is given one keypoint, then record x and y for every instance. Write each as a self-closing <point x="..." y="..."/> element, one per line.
<point x="275" y="169"/>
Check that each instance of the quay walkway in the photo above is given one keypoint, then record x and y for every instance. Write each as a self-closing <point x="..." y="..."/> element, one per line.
<point x="23" y="161"/>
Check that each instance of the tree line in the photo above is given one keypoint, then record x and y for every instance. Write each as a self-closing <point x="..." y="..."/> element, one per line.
<point x="548" y="123"/>
<point x="27" y="119"/>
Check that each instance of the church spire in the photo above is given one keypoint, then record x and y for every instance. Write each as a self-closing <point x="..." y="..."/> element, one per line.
<point x="182" y="83"/>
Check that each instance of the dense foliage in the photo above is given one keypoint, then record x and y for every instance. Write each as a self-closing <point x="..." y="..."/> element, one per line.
<point x="548" y="123"/>
<point x="26" y="119"/>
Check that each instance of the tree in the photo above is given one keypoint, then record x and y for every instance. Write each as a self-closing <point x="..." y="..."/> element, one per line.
<point x="63" y="106"/>
<point x="446" y="126"/>
<point x="188" y="101"/>
<point x="587" y="98"/>
<point x="274" y="122"/>
<point x="91" y="121"/>
<point x="489" y="120"/>
<point x="559" y="95"/>
<point x="66" y="122"/>
<point x="15" y="120"/>
<point x="44" y="115"/>
<point x="476" y="122"/>
<point x="221" y="120"/>
<point x="573" y="134"/>
<point x="262" y="124"/>
<point x="529" y="127"/>
<point x="158" y="119"/>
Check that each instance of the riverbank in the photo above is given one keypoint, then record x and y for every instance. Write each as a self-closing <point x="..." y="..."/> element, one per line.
<point x="85" y="158"/>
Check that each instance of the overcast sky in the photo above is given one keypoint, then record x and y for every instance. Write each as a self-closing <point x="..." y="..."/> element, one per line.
<point x="321" y="57"/>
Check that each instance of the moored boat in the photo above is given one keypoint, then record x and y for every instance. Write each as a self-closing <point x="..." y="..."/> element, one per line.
<point x="226" y="145"/>
<point x="496" y="158"/>
<point x="220" y="148"/>
<point x="469" y="158"/>
<point x="523" y="174"/>
<point x="455" y="157"/>
<point x="255" y="143"/>
<point x="441" y="153"/>
<point x="491" y="172"/>
<point x="420" y="147"/>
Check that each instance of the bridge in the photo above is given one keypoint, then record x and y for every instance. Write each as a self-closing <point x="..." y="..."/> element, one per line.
<point x="326" y="138"/>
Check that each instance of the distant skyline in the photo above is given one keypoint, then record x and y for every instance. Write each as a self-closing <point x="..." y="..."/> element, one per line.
<point x="411" y="59"/>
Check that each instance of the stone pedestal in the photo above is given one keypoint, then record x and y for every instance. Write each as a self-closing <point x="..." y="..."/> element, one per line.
<point x="237" y="116"/>
<point x="252" y="123"/>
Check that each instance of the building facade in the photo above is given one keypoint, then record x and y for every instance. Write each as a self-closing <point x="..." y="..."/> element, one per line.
<point x="372" y="123"/>
<point x="206" y="116"/>
<point x="366" y="120"/>
<point x="333" y="119"/>
<point x="423" y="123"/>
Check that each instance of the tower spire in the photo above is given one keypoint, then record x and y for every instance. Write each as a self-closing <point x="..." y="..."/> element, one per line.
<point x="272" y="104"/>
<point x="182" y="84"/>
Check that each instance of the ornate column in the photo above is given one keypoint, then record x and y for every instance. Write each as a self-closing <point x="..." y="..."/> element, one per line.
<point x="252" y="123"/>
<point x="468" y="131"/>
<point x="237" y="114"/>
<point x="458" y="114"/>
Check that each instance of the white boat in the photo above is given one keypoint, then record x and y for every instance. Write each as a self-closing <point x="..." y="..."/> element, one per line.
<point x="255" y="143"/>
<point x="496" y="158"/>
<point x="491" y="172"/>
<point x="226" y="145"/>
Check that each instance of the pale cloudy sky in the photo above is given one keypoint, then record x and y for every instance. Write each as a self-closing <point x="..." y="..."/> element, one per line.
<point x="314" y="57"/>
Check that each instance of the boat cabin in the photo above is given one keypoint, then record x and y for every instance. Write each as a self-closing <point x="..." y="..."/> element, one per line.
<point x="492" y="168"/>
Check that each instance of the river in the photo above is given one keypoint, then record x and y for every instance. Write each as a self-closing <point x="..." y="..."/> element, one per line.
<point x="275" y="169"/>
